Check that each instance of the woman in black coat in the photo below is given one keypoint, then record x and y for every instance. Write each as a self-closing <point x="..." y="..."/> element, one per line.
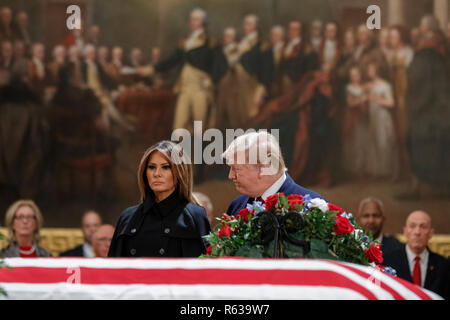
<point x="168" y="222"/>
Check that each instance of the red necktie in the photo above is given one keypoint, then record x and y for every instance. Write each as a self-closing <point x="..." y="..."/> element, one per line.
<point x="417" y="277"/>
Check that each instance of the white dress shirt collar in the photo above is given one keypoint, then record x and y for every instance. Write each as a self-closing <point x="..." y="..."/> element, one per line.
<point x="87" y="250"/>
<point x="274" y="187"/>
<point x="423" y="262"/>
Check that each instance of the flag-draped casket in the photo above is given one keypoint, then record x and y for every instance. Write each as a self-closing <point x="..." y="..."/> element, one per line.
<point x="196" y="279"/>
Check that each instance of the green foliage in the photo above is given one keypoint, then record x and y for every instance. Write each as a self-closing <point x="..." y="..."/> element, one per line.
<point x="349" y="249"/>
<point x="310" y="226"/>
<point x="319" y="250"/>
<point x="319" y="225"/>
<point x="250" y="251"/>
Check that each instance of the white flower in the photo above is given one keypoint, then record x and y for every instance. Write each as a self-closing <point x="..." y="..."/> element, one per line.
<point x="357" y="234"/>
<point x="347" y="215"/>
<point x="321" y="204"/>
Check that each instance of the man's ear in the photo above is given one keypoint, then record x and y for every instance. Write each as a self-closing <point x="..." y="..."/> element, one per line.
<point x="431" y="234"/>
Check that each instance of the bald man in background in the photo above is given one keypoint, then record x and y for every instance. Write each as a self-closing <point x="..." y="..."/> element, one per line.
<point x="90" y="222"/>
<point x="101" y="240"/>
<point x="414" y="262"/>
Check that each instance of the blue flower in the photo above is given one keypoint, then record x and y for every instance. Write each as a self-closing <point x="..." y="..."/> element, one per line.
<point x="257" y="206"/>
<point x="390" y="271"/>
<point x="307" y="199"/>
<point x="365" y="238"/>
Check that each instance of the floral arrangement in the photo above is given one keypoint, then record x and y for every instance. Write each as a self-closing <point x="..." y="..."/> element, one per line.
<point x="294" y="226"/>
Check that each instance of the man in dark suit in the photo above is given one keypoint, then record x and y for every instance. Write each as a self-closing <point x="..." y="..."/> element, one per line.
<point x="371" y="218"/>
<point x="272" y="56"/>
<point x="414" y="262"/>
<point x="90" y="222"/>
<point x="257" y="169"/>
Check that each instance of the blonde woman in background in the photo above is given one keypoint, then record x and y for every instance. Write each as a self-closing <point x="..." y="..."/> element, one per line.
<point x="24" y="221"/>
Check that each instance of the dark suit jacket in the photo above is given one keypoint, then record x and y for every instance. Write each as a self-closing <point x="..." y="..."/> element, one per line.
<point x="390" y="244"/>
<point x="219" y="64"/>
<point x="75" y="252"/>
<point x="301" y="61"/>
<point x="191" y="225"/>
<point x="251" y="60"/>
<point x="437" y="278"/>
<point x="199" y="57"/>
<point x="288" y="187"/>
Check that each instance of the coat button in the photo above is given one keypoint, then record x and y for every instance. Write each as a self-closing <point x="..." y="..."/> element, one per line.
<point x="161" y="251"/>
<point x="133" y="251"/>
<point x="133" y="230"/>
<point x="166" y="230"/>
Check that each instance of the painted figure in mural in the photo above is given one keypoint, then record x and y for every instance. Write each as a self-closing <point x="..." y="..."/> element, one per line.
<point x="427" y="103"/>
<point x="383" y="153"/>
<point x="226" y="56"/>
<point x="402" y="57"/>
<point x="194" y="86"/>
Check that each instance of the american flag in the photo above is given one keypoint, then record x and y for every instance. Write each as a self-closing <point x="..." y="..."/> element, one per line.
<point x="201" y="279"/>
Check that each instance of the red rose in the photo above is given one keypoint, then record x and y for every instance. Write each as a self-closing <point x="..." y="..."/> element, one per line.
<point x="343" y="226"/>
<point x="294" y="200"/>
<point x="244" y="214"/>
<point x="209" y="250"/>
<point x="225" y="231"/>
<point x="333" y="207"/>
<point x="226" y="217"/>
<point x="271" y="201"/>
<point x="374" y="254"/>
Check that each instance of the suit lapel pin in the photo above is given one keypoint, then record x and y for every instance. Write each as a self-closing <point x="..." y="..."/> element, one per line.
<point x="431" y="268"/>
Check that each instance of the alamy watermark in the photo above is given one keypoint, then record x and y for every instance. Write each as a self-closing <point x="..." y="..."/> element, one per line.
<point x="258" y="147"/>
<point x="372" y="22"/>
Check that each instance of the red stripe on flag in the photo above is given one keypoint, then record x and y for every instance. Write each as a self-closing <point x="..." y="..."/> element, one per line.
<point x="186" y="277"/>
<point x="409" y="286"/>
<point x="383" y="285"/>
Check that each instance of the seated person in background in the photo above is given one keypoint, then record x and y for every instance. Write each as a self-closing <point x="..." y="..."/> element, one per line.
<point x="206" y="203"/>
<point x="415" y="263"/>
<point x="23" y="220"/>
<point x="78" y="131"/>
<point x="23" y="136"/>
<point x="371" y="219"/>
<point x="90" y="222"/>
<point x="101" y="240"/>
